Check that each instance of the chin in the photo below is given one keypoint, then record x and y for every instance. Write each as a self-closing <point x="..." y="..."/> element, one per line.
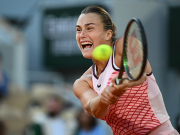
<point x="87" y="56"/>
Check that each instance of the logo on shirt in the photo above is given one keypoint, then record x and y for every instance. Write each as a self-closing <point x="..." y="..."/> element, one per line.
<point x="99" y="86"/>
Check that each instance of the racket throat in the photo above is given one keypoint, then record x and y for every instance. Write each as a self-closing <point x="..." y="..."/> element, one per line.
<point x="118" y="81"/>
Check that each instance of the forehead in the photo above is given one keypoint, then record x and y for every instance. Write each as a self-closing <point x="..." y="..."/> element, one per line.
<point x="88" y="18"/>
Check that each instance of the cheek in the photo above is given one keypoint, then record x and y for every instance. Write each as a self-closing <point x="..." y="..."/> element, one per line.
<point x="99" y="39"/>
<point x="77" y="38"/>
<point x="95" y="36"/>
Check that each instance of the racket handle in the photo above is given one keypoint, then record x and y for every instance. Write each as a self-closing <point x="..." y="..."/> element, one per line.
<point x="117" y="81"/>
<point x="120" y="81"/>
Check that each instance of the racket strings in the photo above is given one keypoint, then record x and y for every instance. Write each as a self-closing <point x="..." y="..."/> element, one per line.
<point x="134" y="50"/>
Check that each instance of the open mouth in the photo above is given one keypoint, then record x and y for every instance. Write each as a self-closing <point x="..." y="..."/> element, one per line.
<point x="86" y="45"/>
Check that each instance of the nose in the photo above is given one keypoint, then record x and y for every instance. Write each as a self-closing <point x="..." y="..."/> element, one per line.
<point x="83" y="33"/>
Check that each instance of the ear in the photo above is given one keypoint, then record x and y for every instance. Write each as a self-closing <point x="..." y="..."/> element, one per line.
<point x="109" y="35"/>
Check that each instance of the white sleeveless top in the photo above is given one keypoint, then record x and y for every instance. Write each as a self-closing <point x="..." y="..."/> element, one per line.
<point x="139" y="110"/>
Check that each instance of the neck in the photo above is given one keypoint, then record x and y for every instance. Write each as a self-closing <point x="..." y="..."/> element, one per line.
<point x="100" y="65"/>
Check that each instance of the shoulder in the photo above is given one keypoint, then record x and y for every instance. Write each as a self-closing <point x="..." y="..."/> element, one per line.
<point x="84" y="80"/>
<point x="118" y="50"/>
<point x="118" y="54"/>
<point x="119" y="45"/>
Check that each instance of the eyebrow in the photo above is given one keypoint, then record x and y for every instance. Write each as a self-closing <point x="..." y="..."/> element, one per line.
<point x="86" y="24"/>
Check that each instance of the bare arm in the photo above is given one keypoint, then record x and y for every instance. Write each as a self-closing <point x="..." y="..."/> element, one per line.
<point x="90" y="101"/>
<point x="94" y="104"/>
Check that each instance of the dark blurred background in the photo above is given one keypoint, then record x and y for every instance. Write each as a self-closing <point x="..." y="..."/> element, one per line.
<point x="40" y="56"/>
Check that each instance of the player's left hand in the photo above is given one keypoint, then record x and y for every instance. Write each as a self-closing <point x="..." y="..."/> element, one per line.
<point x="138" y="82"/>
<point x="120" y="89"/>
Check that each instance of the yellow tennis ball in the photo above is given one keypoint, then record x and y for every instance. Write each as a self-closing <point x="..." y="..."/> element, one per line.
<point x="102" y="52"/>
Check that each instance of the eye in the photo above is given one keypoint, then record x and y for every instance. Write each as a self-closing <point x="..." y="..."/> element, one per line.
<point x="89" y="28"/>
<point x="78" y="29"/>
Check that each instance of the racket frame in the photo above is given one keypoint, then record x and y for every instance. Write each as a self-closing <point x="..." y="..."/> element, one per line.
<point x="124" y="61"/>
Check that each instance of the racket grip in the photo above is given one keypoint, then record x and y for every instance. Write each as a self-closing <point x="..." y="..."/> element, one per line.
<point x="120" y="81"/>
<point x="117" y="81"/>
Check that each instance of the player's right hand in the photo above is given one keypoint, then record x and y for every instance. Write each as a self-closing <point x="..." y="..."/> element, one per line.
<point x="111" y="94"/>
<point x="120" y="89"/>
<point x="108" y="97"/>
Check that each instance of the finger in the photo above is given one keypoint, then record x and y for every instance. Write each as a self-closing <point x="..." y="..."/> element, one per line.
<point x="107" y="94"/>
<point x="112" y="96"/>
<point x="114" y="79"/>
<point x="108" y="97"/>
<point x="119" y="92"/>
<point x="121" y="81"/>
<point x="119" y="89"/>
<point x="123" y="85"/>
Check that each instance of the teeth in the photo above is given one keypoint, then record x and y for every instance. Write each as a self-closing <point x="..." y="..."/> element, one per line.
<point x="84" y="43"/>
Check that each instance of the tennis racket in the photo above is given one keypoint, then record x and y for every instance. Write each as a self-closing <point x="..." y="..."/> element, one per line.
<point x="134" y="56"/>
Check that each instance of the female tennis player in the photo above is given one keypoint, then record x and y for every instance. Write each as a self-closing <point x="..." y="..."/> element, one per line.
<point x="131" y="108"/>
